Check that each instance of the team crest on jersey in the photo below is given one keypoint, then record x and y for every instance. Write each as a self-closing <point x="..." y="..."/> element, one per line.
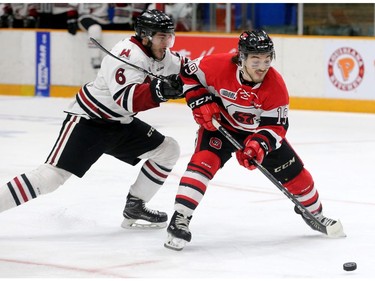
<point x="215" y="143"/>
<point x="125" y="53"/>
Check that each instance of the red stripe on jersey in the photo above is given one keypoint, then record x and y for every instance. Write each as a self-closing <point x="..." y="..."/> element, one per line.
<point x="194" y="182"/>
<point x="187" y="199"/>
<point x="62" y="139"/>
<point x="20" y="188"/>
<point x="119" y="100"/>
<point x="87" y="102"/>
<point x="156" y="172"/>
<point x="91" y="105"/>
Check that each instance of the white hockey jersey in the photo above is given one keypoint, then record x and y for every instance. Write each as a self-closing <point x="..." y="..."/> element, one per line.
<point x="120" y="90"/>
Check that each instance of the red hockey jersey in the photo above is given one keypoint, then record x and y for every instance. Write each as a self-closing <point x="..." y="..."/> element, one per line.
<point x="260" y="108"/>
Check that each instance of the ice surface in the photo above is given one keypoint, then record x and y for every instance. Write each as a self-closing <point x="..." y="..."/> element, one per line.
<point x="244" y="228"/>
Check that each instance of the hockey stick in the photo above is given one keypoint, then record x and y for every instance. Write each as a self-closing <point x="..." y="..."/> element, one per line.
<point x="334" y="230"/>
<point x="160" y="77"/>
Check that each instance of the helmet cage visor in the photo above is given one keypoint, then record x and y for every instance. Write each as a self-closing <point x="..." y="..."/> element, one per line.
<point x="257" y="61"/>
<point x="163" y="39"/>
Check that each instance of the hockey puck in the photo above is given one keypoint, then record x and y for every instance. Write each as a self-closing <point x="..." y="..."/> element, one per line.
<point x="350" y="266"/>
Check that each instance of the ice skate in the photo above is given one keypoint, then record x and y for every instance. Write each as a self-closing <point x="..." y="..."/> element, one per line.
<point x="334" y="227"/>
<point x="178" y="232"/>
<point x="137" y="215"/>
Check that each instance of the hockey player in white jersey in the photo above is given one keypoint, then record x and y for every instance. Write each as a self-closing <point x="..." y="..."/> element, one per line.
<point x="101" y="120"/>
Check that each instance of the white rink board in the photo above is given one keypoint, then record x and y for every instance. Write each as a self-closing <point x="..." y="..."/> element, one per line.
<point x="302" y="60"/>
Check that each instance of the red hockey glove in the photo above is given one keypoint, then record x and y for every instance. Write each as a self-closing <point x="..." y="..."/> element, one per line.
<point x="203" y="115"/>
<point x="252" y="151"/>
<point x="204" y="109"/>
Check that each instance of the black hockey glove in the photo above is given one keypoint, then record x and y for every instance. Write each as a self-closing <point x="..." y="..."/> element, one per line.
<point x="162" y="91"/>
<point x="176" y="82"/>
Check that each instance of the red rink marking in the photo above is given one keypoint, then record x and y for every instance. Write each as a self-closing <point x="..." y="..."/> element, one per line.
<point x="98" y="271"/>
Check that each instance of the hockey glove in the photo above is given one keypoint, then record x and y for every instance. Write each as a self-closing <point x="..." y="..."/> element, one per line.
<point x="204" y="109"/>
<point x="162" y="91"/>
<point x="176" y="82"/>
<point x="72" y="22"/>
<point x="253" y="150"/>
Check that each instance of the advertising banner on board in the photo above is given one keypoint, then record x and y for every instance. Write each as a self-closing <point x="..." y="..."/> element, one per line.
<point x="350" y="69"/>
<point x="43" y="64"/>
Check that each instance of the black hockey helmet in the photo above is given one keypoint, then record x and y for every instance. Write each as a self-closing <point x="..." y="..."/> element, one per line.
<point x="152" y="21"/>
<point x="256" y="41"/>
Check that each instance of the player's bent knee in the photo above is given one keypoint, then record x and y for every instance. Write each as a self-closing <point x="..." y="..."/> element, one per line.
<point x="205" y="162"/>
<point x="47" y="178"/>
<point x="167" y="153"/>
<point x="300" y="183"/>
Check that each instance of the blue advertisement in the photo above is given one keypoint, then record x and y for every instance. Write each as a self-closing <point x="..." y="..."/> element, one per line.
<point x="43" y="67"/>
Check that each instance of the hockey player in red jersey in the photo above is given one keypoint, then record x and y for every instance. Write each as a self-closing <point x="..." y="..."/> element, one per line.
<point x="102" y="120"/>
<point x="249" y="98"/>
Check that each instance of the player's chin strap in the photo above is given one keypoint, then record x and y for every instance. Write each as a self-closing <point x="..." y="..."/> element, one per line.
<point x="160" y="77"/>
<point x="334" y="230"/>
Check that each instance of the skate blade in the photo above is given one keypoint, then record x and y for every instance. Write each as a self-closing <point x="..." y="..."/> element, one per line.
<point x="142" y="224"/>
<point x="336" y="230"/>
<point x="174" y="243"/>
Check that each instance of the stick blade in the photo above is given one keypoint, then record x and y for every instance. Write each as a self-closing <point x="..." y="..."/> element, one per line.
<point x="336" y="230"/>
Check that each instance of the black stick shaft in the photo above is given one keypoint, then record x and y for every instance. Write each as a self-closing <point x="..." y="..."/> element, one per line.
<point x="264" y="171"/>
